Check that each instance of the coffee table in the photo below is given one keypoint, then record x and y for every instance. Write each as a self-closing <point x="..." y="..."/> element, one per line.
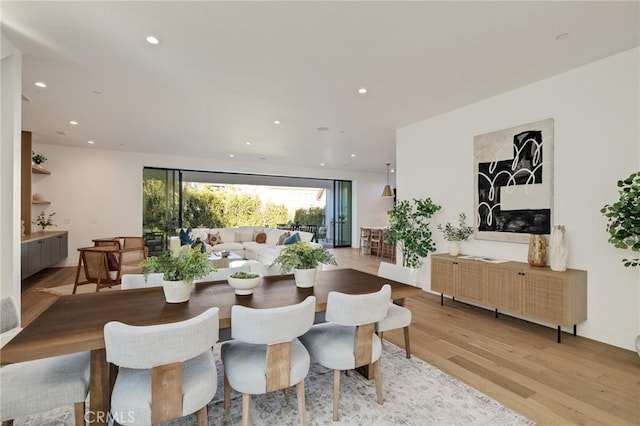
<point x="223" y="262"/>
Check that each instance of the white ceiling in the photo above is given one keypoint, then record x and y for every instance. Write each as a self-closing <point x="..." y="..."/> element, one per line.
<point x="224" y="71"/>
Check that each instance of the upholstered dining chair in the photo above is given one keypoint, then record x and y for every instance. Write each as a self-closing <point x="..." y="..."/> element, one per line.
<point x="397" y="316"/>
<point x="166" y="371"/>
<point x="348" y="340"/>
<point x="129" y="281"/>
<point x="34" y="386"/>
<point x="265" y="355"/>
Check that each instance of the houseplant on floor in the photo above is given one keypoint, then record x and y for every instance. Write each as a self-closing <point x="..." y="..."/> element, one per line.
<point x="455" y="234"/>
<point x="179" y="272"/>
<point x="409" y="228"/>
<point x="303" y="259"/>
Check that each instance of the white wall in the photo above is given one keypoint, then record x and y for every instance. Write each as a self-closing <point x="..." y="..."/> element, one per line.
<point x="98" y="193"/>
<point x="596" y="109"/>
<point x="10" y="150"/>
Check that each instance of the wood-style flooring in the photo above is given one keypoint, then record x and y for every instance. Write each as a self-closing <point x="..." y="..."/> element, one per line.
<point x="518" y="363"/>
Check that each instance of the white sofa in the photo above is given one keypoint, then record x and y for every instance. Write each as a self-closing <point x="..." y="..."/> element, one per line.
<point x="242" y="241"/>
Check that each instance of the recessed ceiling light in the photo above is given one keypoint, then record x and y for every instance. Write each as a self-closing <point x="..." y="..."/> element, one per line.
<point x="90" y="142"/>
<point x="562" y="36"/>
<point x="73" y="123"/>
<point x="353" y="155"/>
<point x="276" y="122"/>
<point x="392" y="171"/>
<point x="40" y="84"/>
<point x="322" y="164"/>
<point x="152" y="40"/>
<point x="362" y="90"/>
<point x="231" y="155"/>
<point x="247" y="143"/>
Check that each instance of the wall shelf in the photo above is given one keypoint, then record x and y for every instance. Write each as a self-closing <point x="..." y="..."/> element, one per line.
<point x="40" y="202"/>
<point x="39" y="170"/>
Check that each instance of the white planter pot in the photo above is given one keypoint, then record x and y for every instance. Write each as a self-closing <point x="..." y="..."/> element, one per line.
<point x="454" y="248"/>
<point x="305" y="277"/>
<point x="176" y="291"/>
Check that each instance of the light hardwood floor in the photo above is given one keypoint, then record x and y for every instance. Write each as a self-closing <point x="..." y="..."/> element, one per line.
<point x="518" y="363"/>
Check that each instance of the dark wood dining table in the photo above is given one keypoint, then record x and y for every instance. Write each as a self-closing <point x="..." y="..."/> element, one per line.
<point x="75" y="323"/>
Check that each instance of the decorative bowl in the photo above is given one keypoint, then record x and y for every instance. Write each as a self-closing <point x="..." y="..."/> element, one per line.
<point x="244" y="286"/>
<point x="224" y="253"/>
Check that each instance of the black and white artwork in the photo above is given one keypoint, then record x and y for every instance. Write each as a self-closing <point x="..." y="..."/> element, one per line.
<point x="513" y="188"/>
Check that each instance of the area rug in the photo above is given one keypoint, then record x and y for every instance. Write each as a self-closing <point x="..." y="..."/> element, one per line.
<point x="415" y="392"/>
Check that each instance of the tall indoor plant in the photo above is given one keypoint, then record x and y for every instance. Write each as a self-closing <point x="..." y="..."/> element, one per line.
<point x="179" y="271"/>
<point x="303" y="259"/>
<point x="409" y="227"/>
<point x="623" y="217"/>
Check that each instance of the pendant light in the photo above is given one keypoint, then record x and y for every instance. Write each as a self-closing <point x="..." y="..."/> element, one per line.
<point x="387" y="191"/>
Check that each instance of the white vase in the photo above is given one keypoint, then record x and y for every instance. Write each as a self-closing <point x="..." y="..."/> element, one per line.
<point x="454" y="248"/>
<point x="176" y="291"/>
<point x="304" y="277"/>
<point x="558" y="249"/>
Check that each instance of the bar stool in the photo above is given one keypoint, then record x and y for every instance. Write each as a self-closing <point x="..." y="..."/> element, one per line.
<point x="376" y="241"/>
<point x="365" y="241"/>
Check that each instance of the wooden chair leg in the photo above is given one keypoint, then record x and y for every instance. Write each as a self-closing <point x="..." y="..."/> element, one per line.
<point x="202" y="416"/>
<point x="227" y="394"/>
<point x="75" y="284"/>
<point x="246" y="408"/>
<point x="302" y="406"/>
<point x="336" y="394"/>
<point x="78" y="409"/>
<point x="7" y="423"/>
<point x="377" y="374"/>
<point x="380" y="336"/>
<point x="407" y="344"/>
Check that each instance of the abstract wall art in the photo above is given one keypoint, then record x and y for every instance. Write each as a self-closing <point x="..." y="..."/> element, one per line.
<point x="513" y="182"/>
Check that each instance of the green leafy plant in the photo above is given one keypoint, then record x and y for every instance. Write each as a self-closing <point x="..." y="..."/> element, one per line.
<point x="457" y="233"/>
<point x="303" y="255"/>
<point x="623" y="217"/>
<point x="409" y="227"/>
<point x="188" y="265"/>
<point x="38" y="158"/>
<point x="244" y="275"/>
<point x="44" y="221"/>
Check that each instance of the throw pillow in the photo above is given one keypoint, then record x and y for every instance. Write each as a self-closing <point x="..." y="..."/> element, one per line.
<point x="197" y="243"/>
<point x="185" y="237"/>
<point x="215" y="239"/>
<point x="283" y="237"/>
<point x="295" y="238"/>
<point x="261" y="238"/>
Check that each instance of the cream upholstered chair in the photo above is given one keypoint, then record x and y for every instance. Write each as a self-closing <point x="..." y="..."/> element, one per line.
<point x="165" y="372"/>
<point x="34" y="386"/>
<point x="397" y="316"/>
<point x="348" y="340"/>
<point x="129" y="281"/>
<point x="266" y="355"/>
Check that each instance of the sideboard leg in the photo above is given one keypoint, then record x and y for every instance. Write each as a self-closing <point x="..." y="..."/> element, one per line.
<point x="453" y="298"/>
<point x="559" y="333"/>
<point x="441" y="299"/>
<point x="575" y="329"/>
<point x="496" y="312"/>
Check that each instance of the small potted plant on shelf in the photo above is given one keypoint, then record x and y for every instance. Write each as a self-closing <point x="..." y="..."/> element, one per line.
<point x="454" y="234"/>
<point x="179" y="272"/>
<point x="303" y="259"/>
<point x="44" y="221"/>
<point x="37" y="158"/>
<point x="244" y="282"/>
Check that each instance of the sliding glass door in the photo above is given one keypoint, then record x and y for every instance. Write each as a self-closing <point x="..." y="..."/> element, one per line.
<point x="342" y="199"/>
<point x="160" y="207"/>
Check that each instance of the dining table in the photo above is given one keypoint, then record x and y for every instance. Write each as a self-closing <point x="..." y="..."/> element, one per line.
<point x="75" y="323"/>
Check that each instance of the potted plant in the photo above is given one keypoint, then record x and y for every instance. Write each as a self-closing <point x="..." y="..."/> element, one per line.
<point x="409" y="228"/>
<point x="179" y="272"/>
<point x="303" y="259"/>
<point x="454" y="234"/>
<point x="44" y="221"/>
<point x="623" y="218"/>
<point x="37" y="158"/>
<point x="244" y="282"/>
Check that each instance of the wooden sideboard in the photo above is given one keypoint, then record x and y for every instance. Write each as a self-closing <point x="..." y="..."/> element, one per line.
<point x="41" y="250"/>
<point x="534" y="292"/>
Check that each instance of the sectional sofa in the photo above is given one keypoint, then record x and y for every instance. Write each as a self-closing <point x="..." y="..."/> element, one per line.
<point x="250" y="242"/>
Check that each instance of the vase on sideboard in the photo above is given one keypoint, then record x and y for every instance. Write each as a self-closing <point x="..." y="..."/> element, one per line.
<point x="558" y="249"/>
<point x="454" y="248"/>
<point x="537" y="250"/>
